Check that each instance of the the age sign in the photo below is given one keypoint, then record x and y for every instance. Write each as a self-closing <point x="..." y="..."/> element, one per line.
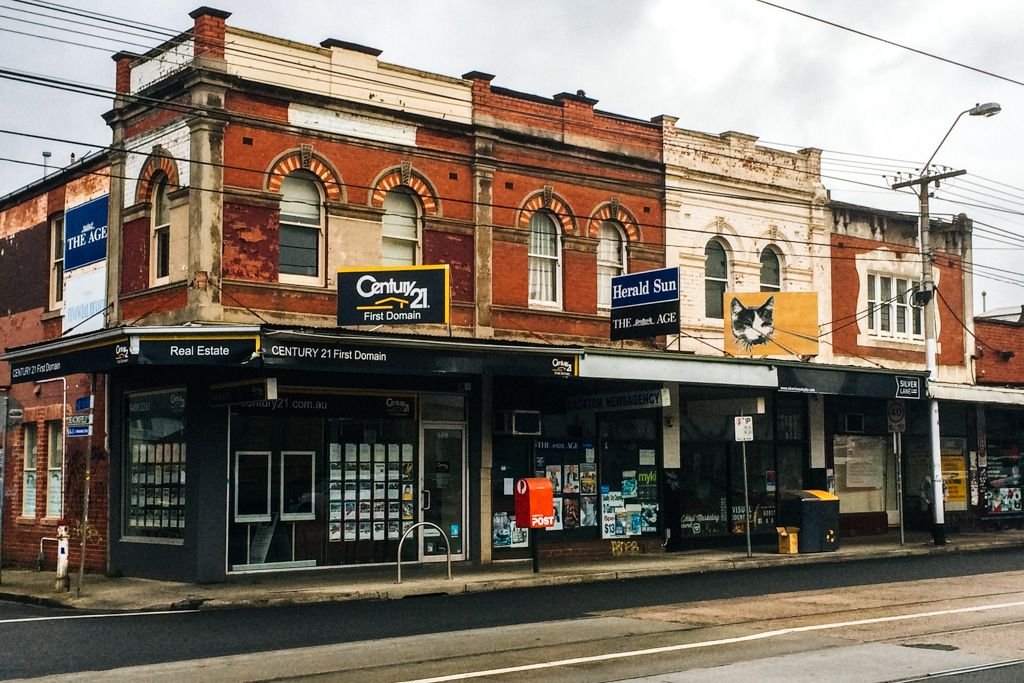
<point x="535" y="503"/>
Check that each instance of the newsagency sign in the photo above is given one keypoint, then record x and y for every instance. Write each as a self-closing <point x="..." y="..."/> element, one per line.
<point x="413" y="295"/>
<point x="645" y="304"/>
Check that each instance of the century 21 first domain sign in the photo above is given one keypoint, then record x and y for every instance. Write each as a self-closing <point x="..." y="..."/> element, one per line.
<point x="411" y="295"/>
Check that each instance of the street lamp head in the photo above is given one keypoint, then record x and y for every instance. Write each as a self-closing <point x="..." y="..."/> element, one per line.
<point x="987" y="109"/>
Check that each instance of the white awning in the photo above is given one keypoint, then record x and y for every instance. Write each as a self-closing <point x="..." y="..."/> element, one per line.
<point x="945" y="391"/>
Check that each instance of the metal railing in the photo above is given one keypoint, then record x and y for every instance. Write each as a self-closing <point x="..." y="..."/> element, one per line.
<point x="447" y="546"/>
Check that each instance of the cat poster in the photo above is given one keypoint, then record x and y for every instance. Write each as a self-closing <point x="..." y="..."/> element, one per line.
<point x="771" y="323"/>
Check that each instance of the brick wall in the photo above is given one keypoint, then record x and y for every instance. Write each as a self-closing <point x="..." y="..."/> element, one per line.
<point x="999" y="351"/>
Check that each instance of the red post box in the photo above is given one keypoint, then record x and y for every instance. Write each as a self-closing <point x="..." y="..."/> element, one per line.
<point x="535" y="503"/>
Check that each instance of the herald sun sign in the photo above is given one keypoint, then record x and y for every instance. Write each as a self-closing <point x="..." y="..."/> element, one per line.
<point x="535" y="503"/>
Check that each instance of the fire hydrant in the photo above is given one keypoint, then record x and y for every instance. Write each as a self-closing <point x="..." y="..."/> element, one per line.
<point x="63" y="580"/>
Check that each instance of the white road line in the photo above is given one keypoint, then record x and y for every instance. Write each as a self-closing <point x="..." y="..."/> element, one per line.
<point x="96" y="616"/>
<point x="714" y="643"/>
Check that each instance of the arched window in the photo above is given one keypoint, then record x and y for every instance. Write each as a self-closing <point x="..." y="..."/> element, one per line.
<point x="399" y="229"/>
<point x="301" y="228"/>
<point x="771" y="271"/>
<point x="545" y="258"/>
<point x="611" y="260"/>
<point x="160" y="253"/>
<point x="716" y="278"/>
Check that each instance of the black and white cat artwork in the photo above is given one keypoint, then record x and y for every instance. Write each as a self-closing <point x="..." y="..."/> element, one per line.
<point x="753" y="325"/>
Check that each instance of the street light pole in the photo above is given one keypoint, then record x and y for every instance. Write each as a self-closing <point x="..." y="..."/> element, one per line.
<point x="926" y="297"/>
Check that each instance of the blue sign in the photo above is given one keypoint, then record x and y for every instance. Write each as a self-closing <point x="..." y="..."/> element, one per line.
<point x="85" y="233"/>
<point x="80" y="431"/>
<point x="645" y="304"/>
<point x="648" y="287"/>
<point x="83" y="403"/>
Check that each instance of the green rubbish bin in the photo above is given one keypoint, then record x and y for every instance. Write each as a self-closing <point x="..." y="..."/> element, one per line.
<point x="817" y="515"/>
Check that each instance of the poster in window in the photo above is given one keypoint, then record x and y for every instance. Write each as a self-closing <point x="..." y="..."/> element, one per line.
<point x="334" y="532"/>
<point x="393" y="470"/>
<point x="393" y="490"/>
<point x="335" y="490"/>
<point x="634" y="521"/>
<point x="365" y="490"/>
<point x="350" y="473"/>
<point x="379" y="509"/>
<point x="571" y="512"/>
<point x="379" y="453"/>
<point x="334" y="449"/>
<point x="647" y="484"/>
<point x="538" y="466"/>
<point x="1003" y="500"/>
<point x="365" y="530"/>
<point x="406" y="491"/>
<point x="646" y="456"/>
<point x="629" y="485"/>
<point x="334" y="511"/>
<point x="557" y="526"/>
<point x="365" y="509"/>
<point x="364" y="453"/>
<point x="588" y="478"/>
<point x="611" y="525"/>
<point x="407" y="471"/>
<point x="406" y="452"/>
<point x="406" y="511"/>
<point x="501" y="530"/>
<point x="393" y="452"/>
<point x="588" y="510"/>
<point x="571" y="479"/>
<point x="350" y="490"/>
<point x="351" y="531"/>
<point x="554" y="475"/>
<point x="394" y="510"/>
<point x="393" y="530"/>
<point x="379" y="490"/>
<point x="350" y="510"/>
<point x="380" y="531"/>
<point x="520" y="536"/>
<point x="351" y="454"/>
<point x="648" y="517"/>
<point x="379" y="471"/>
<point x="365" y="473"/>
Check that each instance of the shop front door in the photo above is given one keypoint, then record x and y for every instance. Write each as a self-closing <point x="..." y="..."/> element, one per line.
<point x="443" y="490"/>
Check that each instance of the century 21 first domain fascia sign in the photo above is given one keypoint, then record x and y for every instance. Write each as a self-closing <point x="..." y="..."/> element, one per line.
<point x="410" y="295"/>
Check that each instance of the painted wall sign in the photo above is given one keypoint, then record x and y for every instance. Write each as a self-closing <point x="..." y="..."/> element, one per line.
<point x="85" y="298"/>
<point x="413" y="295"/>
<point x="645" y="304"/>
<point x="629" y="400"/>
<point x="771" y="323"/>
<point x="85" y="233"/>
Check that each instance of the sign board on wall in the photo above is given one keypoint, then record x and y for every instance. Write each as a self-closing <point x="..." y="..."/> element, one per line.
<point x="85" y="233"/>
<point x="85" y="298"/>
<point x="645" y="304"/>
<point x="411" y="295"/>
<point x="771" y="323"/>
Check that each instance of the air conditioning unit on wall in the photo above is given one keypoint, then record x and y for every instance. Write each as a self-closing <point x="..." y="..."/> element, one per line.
<point x="517" y="422"/>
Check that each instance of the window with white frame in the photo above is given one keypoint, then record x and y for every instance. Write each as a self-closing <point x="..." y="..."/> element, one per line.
<point x="771" y="271"/>
<point x="611" y="261"/>
<point x="716" y="278"/>
<point x="301" y="229"/>
<point x="545" y="261"/>
<point x="30" y="441"/>
<point x="161" y="250"/>
<point x="399" y="229"/>
<point x="56" y="262"/>
<point x="891" y="312"/>
<point x="54" y="468"/>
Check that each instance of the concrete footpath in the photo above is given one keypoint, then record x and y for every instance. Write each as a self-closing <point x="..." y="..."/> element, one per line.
<point x="99" y="593"/>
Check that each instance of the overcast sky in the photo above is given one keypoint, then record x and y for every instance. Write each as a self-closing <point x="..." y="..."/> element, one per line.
<point x="718" y="65"/>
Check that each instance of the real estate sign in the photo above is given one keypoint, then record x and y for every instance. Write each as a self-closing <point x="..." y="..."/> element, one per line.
<point x="410" y="295"/>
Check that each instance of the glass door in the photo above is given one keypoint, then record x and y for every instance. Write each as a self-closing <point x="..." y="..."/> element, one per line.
<point x="443" y="490"/>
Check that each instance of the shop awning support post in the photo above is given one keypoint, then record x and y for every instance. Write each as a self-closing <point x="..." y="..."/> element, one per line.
<point x="746" y="496"/>
<point x="897" y="444"/>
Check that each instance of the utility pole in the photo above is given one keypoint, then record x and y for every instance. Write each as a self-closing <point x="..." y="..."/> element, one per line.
<point x="926" y="297"/>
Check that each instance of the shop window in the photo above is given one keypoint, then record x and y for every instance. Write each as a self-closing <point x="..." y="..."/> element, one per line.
<point x="771" y="271"/>
<point x="56" y="262"/>
<point x="399" y="229"/>
<point x="30" y="439"/>
<point x="611" y="261"/>
<point x="716" y="278"/>
<point x="155" y="469"/>
<point x="545" y="261"/>
<point x="252" y="486"/>
<point x="298" y="473"/>
<point x="161" y="249"/>
<point x="55" y="468"/>
<point x="891" y="312"/>
<point x="301" y="229"/>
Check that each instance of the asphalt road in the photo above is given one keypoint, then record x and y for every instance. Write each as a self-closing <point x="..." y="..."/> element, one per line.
<point x="37" y="642"/>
